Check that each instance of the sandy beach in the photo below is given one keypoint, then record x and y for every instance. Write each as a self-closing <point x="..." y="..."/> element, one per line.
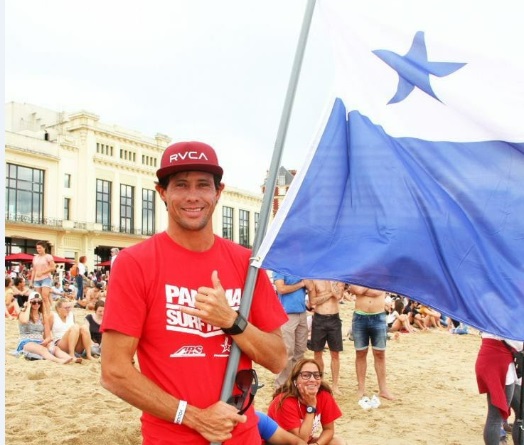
<point x="432" y="375"/>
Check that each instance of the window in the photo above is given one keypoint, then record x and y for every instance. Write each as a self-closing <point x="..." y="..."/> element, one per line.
<point x="243" y="228"/>
<point x="127" y="155"/>
<point x="127" y="198"/>
<point x="67" y="209"/>
<point x="67" y="181"/>
<point x="257" y="218"/>
<point x="103" y="203"/>
<point x="24" y="194"/>
<point x="148" y="212"/>
<point x="227" y="223"/>
<point x="104" y="149"/>
<point x="149" y="160"/>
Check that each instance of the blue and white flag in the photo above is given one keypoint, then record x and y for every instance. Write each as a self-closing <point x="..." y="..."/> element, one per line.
<point x="415" y="183"/>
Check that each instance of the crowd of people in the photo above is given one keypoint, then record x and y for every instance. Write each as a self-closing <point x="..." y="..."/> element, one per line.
<point x="188" y="316"/>
<point x="42" y="300"/>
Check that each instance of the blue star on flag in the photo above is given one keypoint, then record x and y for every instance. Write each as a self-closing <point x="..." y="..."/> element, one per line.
<point x="414" y="68"/>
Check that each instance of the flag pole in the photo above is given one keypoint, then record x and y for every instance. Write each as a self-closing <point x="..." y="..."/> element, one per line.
<point x="247" y="294"/>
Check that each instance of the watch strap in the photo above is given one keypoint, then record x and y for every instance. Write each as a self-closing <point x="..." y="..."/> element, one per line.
<point x="238" y="327"/>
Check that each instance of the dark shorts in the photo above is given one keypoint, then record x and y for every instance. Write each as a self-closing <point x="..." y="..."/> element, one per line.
<point x="368" y="328"/>
<point x="326" y="328"/>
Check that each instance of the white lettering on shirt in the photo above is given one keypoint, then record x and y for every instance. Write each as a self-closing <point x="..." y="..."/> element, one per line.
<point x="180" y="322"/>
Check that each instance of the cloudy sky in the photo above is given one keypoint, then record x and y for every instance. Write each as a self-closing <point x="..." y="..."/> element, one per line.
<point x="208" y="70"/>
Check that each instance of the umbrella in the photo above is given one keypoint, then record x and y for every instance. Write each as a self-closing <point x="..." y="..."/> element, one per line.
<point x="21" y="257"/>
<point x="58" y="259"/>
<point x="104" y="264"/>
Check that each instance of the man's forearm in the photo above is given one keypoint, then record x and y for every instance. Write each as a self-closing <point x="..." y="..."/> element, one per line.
<point x="284" y="289"/>
<point x="215" y="422"/>
<point x="132" y="386"/>
<point x="265" y="348"/>
<point x="321" y="298"/>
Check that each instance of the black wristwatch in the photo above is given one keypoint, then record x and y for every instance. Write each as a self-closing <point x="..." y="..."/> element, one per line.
<point x="311" y="410"/>
<point x="238" y="327"/>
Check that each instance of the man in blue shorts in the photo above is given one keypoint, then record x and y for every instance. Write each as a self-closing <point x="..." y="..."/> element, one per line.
<point x="369" y="324"/>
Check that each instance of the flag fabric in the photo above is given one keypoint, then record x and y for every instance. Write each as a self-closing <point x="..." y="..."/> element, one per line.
<point x="415" y="182"/>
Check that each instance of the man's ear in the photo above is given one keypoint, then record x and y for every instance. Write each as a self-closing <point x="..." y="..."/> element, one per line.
<point x="219" y="191"/>
<point x="161" y="191"/>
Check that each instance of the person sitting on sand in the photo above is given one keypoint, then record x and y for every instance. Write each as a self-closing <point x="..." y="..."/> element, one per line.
<point x="69" y="291"/>
<point x="56" y="290"/>
<point x="304" y="405"/>
<point x="35" y="335"/>
<point x="432" y="317"/>
<point x="93" y="322"/>
<point x="11" y="304"/>
<point x="21" y="290"/>
<point x="93" y="294"/>
<point x="67" y="334"/>
<point x="397" y="321"/>
<point x="417" y="318"/>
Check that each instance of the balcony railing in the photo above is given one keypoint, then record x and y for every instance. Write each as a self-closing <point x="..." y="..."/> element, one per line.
<point x="59" y="223"/>
<point x="119" y="229"/>
<point x="32" y="219"/>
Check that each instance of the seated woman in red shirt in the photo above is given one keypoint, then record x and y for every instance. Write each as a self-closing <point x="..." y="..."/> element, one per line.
<point x="305" y="406"/>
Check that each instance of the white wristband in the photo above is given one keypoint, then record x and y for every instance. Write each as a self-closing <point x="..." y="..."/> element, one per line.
<point x="179" y="416"/>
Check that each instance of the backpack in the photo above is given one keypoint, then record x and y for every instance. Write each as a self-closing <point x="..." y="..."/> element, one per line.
<point x="74" y="270"/>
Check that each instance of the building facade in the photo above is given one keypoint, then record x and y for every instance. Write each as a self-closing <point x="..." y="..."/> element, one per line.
<point x="85" y="186"/>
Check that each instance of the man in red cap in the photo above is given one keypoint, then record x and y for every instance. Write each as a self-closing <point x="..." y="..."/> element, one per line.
<point x="174" y="299"/>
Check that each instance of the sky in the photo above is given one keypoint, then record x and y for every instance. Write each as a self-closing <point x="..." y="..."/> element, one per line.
<point x="192" y="70"/>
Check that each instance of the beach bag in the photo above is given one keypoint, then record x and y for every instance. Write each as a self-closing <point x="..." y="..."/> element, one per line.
<point x="74" y="270"/>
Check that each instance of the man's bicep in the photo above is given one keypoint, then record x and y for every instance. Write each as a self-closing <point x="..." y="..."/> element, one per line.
<point x="119" y="346"/>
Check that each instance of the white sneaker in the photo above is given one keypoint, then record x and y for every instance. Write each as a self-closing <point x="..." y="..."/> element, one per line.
<point x="365" y="403"/>
<point x="374" y="402"/>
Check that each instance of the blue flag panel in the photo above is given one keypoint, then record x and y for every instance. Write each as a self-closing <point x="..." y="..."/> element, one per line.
<point x="415" y="186"/>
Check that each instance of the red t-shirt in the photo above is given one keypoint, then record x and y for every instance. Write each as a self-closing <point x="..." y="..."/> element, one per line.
<point x="292" y="413"/>
<point x="181" y="354"/>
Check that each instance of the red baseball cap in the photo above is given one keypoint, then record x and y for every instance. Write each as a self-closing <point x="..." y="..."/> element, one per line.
<point x="187" y="156"/>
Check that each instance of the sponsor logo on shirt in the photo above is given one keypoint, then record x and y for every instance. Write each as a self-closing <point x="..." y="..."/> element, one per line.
<point x="179" y="322"/>
<point x="226" y="348"/>
<point x="189" y="351"/>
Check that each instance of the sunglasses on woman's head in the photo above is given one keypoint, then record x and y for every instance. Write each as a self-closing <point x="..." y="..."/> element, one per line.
<point x="35" y="302"/>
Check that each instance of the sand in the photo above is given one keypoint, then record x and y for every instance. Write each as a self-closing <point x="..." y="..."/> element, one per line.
<point x="432" y="375"/>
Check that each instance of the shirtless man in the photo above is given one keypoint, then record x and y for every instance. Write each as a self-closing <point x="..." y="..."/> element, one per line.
<point x="93" y="294"/>
<point x="327" y="325"/>
<point x="369" y="323"/>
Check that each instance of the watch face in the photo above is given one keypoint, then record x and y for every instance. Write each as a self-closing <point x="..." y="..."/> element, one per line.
<point x="238" y="327"/>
